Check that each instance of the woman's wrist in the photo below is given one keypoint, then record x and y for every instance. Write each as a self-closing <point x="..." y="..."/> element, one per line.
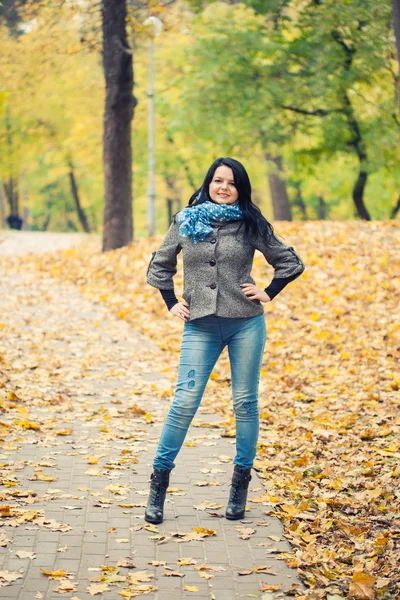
<point x="267" y="297"/>
<point x="169" y="298"/>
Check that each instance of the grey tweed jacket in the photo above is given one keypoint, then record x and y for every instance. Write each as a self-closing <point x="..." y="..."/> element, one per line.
<point x="214" y="268"/>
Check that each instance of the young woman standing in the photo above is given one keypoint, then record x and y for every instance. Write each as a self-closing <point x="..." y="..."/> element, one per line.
<point x="218" y="233"/>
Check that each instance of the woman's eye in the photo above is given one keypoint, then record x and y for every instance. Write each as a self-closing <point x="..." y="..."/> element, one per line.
<point x="219" y="181"/>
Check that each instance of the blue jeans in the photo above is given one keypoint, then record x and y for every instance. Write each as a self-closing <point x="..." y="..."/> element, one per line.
<point x="202" y="343"/>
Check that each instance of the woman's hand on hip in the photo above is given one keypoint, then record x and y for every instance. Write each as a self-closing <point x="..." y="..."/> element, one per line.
<point x="254" y="293"/>
<point x="181" y="311"/>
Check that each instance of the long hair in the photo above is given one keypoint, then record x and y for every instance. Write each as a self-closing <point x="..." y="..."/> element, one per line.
<point x="253" y="220"/>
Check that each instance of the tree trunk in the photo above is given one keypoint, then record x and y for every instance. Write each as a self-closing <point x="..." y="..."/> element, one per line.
<point x="321" y="208"/>
<point x="46" y="221"/>
<point x="71" y="224"/>
<point x="395" y="209"/>
<point x="75" y="194"/>
<point x="26" y="213"/>
<point x="358" y="195"/>
<point x="396" y="27"/>
<point x="2" y="206"/>
<point x="118" y="114"/>
<point x="277" y="186"/>
<point x="172" y="196"/>
<point x="189" y="176"/>
<point x="299" y="200"/>
<point x="12" y="194"/>
<point x="356" y="140"/>
<point x="24" y="200"/>
<point x="359" y="146"/>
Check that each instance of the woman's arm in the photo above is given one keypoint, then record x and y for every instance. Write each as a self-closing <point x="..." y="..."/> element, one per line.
<point x="162" y="266"/>
<point x="277" y="285"/>
<point x="169" y="298"/>
<point x="287" y="263"/>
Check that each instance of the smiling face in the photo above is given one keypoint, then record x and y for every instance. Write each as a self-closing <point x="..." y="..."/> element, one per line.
<point x="222" y="188"/>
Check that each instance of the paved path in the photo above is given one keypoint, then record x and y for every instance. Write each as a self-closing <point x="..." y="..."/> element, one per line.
<point x="72" y="369"/>
<point x="21" y="242"/>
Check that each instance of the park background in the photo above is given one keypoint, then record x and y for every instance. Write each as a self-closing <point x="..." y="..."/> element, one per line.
<point x="305" y="93"/>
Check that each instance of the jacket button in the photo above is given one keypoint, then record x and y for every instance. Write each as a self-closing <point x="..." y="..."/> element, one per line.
<point x="213" y="263"/>
<point x="213" y="286"/>
<point x="213" y="241"/>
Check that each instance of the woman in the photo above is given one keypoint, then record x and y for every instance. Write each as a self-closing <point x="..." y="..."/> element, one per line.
<point x="217" y="233"/>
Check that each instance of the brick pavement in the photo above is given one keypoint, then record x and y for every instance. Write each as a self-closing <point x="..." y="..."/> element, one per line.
<point x="80" y="368"/>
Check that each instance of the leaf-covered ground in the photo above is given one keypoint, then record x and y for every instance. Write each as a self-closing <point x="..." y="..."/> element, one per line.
<point x="79" y="424"/>
<point x="329" y="443"/>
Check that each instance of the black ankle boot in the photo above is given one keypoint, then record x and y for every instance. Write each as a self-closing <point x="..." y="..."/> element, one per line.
<point x="238" y="495"/>
<point x="158" y="489"/>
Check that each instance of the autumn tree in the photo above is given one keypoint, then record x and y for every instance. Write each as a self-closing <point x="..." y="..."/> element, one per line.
<point x="231" y="102"/>
<point x="327" y="67"/>
<point x="50" y="131"/>
<point x="332" y="60"/>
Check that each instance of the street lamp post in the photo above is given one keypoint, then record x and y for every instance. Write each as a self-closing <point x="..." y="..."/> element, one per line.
<point x="156" y="25"/>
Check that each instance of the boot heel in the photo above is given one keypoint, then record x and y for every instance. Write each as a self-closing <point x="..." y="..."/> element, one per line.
<point x="158" y="489"/>
<point x="238" y="495"/>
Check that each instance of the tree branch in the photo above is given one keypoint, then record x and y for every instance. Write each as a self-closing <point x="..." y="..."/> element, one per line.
<point x="319" y="112"/>
<point x="125" y="49"/>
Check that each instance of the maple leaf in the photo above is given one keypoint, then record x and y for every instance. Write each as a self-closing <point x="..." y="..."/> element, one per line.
<point x="186" y="561"/>
<point x="247" y="572"/>
<point x="24" y="554"/>
<point x="10" y="576"/>
<point x="191" y="588"/>
<point x="245" y="532"/>
<point x="54" y="574"/>
<point x="204" y="532"/>
<point x="97" y="588"/>
<point x="361" y="586"/>
<point x="66" y="586"/>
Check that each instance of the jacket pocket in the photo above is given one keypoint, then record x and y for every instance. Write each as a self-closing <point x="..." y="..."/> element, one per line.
<point x="187" y="295"/>
<point x="249" y="280"/>
<point x="254" y="301"/>
<point x="151" y="260"/>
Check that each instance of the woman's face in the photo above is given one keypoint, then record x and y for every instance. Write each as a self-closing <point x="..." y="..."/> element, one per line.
<point x="222" y="188"/>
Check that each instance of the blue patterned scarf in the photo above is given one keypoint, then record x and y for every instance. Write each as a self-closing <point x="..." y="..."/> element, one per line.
<point x="195" y="222"/>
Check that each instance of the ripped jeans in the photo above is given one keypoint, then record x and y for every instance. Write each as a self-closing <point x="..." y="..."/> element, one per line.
<point x="202" y="343"/>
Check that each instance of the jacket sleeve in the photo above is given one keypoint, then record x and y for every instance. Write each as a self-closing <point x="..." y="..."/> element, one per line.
<point x="162" y="265"/>
<point x="284" y="259"/>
